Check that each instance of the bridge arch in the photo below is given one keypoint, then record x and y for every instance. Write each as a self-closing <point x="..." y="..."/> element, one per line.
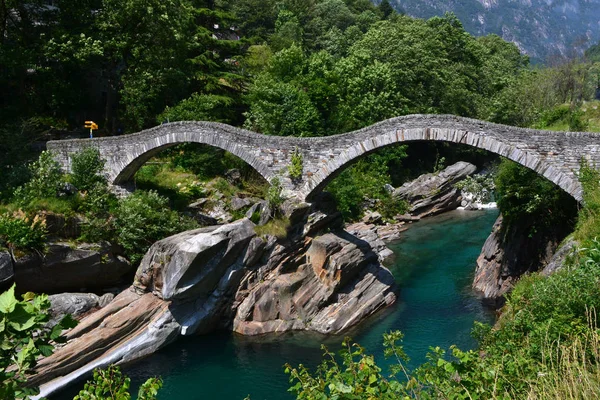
<point x="553" y="155"/>
<point x="126" y="154"/>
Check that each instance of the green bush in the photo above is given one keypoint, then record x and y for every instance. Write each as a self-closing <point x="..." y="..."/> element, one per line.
<point x="274" y="195"/>
<point x="86" y="169"/>
<point x="46" y="178"/>
<point x="111" y="384"/>
<point x="389" y="206"/>
<point x="525" y="197"/>
<point x="18" y="232"/>
<point x="296" y="166"/>
<point x="25" y="337"/>
<point x="143" y="218"/>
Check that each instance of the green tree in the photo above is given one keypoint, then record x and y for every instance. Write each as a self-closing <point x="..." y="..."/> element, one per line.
<point x="385" y="8"/>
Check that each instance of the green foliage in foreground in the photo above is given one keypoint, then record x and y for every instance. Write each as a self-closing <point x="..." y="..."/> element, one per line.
<point x="546" y="344"/>
<point x="24" y="337"/>
<point x="111" y="384"/>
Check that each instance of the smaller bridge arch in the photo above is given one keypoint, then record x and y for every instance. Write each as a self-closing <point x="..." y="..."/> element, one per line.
<point x="126" y="154"/>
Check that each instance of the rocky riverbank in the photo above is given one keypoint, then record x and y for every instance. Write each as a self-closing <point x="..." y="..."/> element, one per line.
<point x="320" y="278"/>
<point x="510" y="252"/>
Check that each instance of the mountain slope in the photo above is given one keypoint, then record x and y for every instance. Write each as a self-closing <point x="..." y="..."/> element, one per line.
<point x="540" y="28"/>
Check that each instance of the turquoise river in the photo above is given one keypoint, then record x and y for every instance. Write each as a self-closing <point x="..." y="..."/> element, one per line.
<point x="433" y="266"/>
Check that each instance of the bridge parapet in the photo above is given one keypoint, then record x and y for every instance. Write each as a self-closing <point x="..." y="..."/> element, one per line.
<point x="554" y="155"/>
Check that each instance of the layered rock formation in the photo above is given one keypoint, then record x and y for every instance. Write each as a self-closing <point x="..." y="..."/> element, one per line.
<point x="508" y="253"/>
<point x="228" y="277"/>
<point x="434" y="193"/>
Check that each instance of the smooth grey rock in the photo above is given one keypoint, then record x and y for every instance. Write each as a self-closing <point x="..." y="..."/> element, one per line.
<point x="372" y="218"/>
<point x="190" y="264"/>
<point x="75" y="304"/>
<point x="256" y="208"/>
<point x="265" y="214"/>
<point x="432" y="194"/>
<point x="6" y="267"/>
<point x="239" y="203"/>
<point x="220" y="213"/>
<point x="254" y="252"/>
<point x="70" y="268"/>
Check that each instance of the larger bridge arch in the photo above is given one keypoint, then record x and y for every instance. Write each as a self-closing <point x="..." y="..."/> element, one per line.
<point x="554" y="155"/>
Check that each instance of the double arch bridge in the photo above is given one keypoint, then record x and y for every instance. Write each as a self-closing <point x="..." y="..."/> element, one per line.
<point x="553" y="155"/>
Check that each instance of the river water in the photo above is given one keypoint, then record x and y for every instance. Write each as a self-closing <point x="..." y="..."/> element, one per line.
<point x="433" y="266"/>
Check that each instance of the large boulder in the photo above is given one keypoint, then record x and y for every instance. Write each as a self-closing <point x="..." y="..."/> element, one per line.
<point x="66" y="267"/>
<point x="333" y="285"/>
<point x="434" y="193"/>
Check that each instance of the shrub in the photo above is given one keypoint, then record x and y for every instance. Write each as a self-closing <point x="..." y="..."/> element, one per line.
<point x="480" y="186"/>
<point x="19" y="232"/>
<point x="143" y="218"/>
<point x="296" y="166"/>
<point x="46" y="178"/>
<point x="532" y="200"/>
<point x="112" y="384"/>
<point x="25" y="337"/>
<point x="389" y="206"/>
<point x="274" y="194"/>
<point x="86" y="169"/>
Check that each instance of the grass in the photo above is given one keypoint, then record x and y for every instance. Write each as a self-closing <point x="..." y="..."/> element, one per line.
<point x="570" y="371"/>
<point x="179" y="186"/>
<point x="591" y="114"/>
<point x="63" y="206"/>
<point x="277" y="227"/>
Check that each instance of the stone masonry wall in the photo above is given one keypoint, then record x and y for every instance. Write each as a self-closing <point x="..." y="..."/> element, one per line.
<point x="554" y="155"/>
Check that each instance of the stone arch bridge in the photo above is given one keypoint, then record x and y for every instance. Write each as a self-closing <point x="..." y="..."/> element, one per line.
<point x="554" y="155"/>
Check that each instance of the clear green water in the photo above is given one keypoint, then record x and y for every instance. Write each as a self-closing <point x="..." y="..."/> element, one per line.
<point x="434" y="267"/>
